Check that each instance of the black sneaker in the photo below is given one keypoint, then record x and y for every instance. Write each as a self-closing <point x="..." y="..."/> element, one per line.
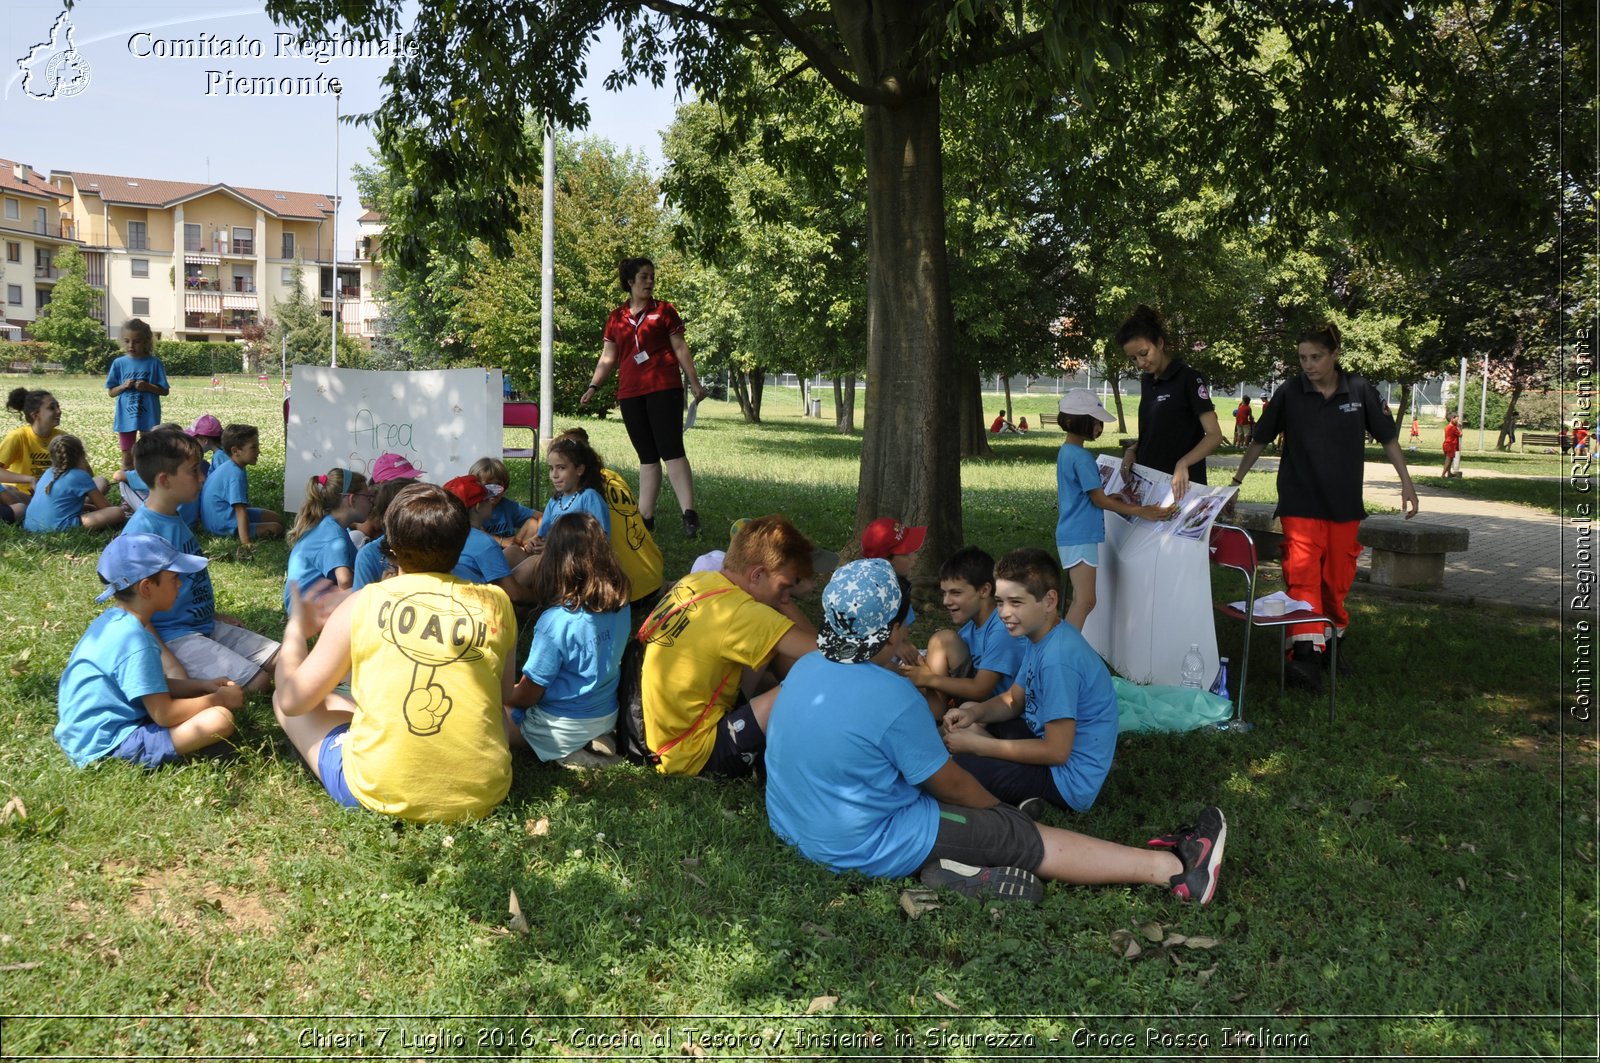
<point x="1304" y="673"/>
<point x="691" y="524"/>
<point x="1169" y="841"/>
<point x="1001" y="883"/>
<point x="1201" y="853"/>
<point x="649" y="523"/>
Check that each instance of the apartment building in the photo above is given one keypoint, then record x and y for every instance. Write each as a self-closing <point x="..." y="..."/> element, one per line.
<point x="35" y="223"/>
<point x="197" y="261"/>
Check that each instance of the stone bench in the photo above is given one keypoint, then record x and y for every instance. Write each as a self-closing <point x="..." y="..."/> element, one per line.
<point x="1257" y="519"/>
<point x="1409" y="553"/>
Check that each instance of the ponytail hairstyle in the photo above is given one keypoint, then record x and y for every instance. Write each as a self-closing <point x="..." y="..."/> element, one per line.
<point x="27" y="403"/>
<point x="323" y="495"/>
<point x="1326" y="335"/>
<point x="629" y="268"/>
<point x="579" y="569"/>
<point x="1144" y="324"/>
<point x="581" y="434"/>
<point x="581" y="453"/>
<point x="66" y="453"/>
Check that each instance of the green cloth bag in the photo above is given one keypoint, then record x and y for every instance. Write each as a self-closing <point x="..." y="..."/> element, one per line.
<point x="1157" y="709"/>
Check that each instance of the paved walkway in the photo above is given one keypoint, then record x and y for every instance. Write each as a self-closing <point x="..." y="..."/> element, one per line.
<point x="1514" y="556"/>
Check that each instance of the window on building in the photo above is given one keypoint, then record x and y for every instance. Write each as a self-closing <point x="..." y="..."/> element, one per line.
<point x="14" y="294"/>
<point x="138" y="238"/>
<point x="141" y="307"/>
<point x="44" y="262"/>
<point x="41" y="298"/>
<point x="287" y="276"/>
<point x="244" y="240"/>
<point x="288" y="245"/>
<point x="40" y="221"/>
<point x="141" y="267"/>
<point x="13" y="251"/>
<point x="191" y="237"/>
<point x="13" y="209"/>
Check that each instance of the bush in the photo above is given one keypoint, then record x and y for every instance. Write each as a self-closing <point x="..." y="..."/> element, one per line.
<point x="25" y="351"/>
<point x="574" y="368"/>
<point x="1473" y="393"/>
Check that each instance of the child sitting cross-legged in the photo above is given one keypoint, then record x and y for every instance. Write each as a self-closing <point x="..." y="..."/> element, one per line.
<point x="225" y="498"/>
<point x="567" y="694"/>
<point x="203" y="641"/>
<point x="319" y="543"/>
<point x="1051" y="737"/>
<point x="373" y="562"/>
<point x="420" y="734"/>
<point x="481" y="557"/>
<point x="113" y="699"/>
<point x="511" y="524"/>
<point x="66" y="496"/>
<point x="858" y="780"/>
<point x="982" y="658"/>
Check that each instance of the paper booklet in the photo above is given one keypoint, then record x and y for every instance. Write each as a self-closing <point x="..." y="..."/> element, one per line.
<point x="1144" y="486"/>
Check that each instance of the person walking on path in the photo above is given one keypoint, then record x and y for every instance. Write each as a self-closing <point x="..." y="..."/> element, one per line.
<point x="644" y="346"/>
<point x="1452" y="446"/>
<point x="1324" y="416"/>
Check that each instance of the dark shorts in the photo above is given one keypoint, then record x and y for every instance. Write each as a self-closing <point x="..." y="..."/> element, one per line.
<point x="655" y="425"/>
<point x="1002" y="836"/>
<point x="330" y="766"/>
<point x="149" y="746"/>
<point x="1008" y="780"/>
<point x="740" y="743"/>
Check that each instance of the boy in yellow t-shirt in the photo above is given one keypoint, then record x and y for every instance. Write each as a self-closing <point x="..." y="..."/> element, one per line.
<point x="419" y="735"/>
<point x="706" y="634"/>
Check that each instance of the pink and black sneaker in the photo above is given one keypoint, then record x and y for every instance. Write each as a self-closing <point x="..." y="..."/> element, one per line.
<point x="1201" y="853"/>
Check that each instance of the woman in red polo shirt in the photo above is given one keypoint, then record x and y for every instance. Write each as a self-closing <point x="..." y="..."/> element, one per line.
<point x="644" y="345"/>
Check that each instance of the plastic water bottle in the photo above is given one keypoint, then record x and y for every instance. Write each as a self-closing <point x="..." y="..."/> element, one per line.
<point x="1220" y="687"/>
<point x="1194" y="667"/>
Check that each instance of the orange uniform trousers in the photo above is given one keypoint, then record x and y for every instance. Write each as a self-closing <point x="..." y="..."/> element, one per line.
<point x="1319" y="564"/>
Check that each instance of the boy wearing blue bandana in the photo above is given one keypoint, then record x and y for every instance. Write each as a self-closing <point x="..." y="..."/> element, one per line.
<point x="858" y="778"/>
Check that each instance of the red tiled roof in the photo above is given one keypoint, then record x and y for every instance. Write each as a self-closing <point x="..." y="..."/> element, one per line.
<point x="372" y="215"/>
<point x="146" y="192"/>
<point x="35" y="185"/>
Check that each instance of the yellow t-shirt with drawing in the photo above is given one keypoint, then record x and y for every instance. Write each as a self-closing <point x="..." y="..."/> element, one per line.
<point x="701" y="637"/>
<point x="636" y="551"/>
<point x="25" y="454"/>
<point x="426" y="743"/>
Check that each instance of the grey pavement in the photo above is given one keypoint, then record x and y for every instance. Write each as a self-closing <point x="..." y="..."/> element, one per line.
<point x="1514" y="556"/>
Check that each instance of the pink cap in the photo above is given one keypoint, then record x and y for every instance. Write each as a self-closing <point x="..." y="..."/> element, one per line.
<point x="205" y="425"/>
<point x="393" y="467"/>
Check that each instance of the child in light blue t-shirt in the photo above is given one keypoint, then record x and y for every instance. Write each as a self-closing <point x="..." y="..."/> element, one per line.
<point x="1080" y="494"/>
<point x="482" y="560"/>
<point x="225" y="497"/>
<point x="1053" y="735"/>
<point x="137" y="380"/>
<point x="113" y="700"/>
<point x="567" y="694"/>
<point x="982" y="658"/>
<point x="575" y="484"/>
<point x="67" y="496"/>
<point x="319" y="543"/>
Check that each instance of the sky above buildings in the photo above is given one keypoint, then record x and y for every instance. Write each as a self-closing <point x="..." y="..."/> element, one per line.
<point x="136" y="99"/>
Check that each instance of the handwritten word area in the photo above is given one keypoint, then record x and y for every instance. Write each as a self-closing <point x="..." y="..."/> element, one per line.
<point x="373" y="434"/>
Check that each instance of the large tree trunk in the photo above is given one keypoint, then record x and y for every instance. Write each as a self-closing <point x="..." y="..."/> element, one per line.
<point x="747" y="385"/>
<point x="1116" y="396"/>
<point x="910" y="459"/>
<point x="974" y="423"/>
<point x="1508" y="426"/>
<point x="758" y="383"/>
<point x="844" y="404"/>
<point x="1007" y="384"/>
<point x="1405" y="403"/>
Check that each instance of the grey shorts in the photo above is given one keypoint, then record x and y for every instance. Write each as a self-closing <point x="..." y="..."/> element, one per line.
<point x="229" y="652"/>
<point x="1002" y="836"/>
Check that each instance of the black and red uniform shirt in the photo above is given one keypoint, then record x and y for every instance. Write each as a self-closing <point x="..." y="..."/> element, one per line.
<point x="1170" y="406"/>
<point x="1324" y="445"/>
<point x="650" y="331"/>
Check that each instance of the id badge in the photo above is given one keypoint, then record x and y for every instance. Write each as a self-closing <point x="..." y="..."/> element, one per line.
<point x="641" y="358"/>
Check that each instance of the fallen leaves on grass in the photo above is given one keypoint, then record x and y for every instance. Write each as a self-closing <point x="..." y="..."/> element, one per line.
<point x="1127" y="945"/>
<point x="519" y="922"/>
<point x="821" y="1004"/>
<point x="946" y="1001"/>
<point x="537" y="828"/>
<point x="917" y="903"/>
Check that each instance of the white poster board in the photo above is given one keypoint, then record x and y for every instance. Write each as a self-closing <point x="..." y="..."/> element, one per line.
<point x="1153" y="587"/>
<point x="441" y="420"/>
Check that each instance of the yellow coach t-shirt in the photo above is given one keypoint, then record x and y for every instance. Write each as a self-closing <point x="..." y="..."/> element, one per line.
<point x="701" y="637"/>
<point x="636" y="551"/>
<point x="426" y="742"/>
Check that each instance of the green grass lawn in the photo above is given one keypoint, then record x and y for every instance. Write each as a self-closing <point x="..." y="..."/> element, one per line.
<point x="1417" y="878"/>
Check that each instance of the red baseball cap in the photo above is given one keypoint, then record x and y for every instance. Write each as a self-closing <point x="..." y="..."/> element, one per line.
<point x="886" y="537"/>
<point x="468" y="489"/>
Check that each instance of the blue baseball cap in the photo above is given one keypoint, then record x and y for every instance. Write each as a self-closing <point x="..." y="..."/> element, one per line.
<point x="131" y="558"/>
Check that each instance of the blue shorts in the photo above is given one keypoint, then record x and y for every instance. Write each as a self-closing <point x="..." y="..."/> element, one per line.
<point x="1084" y="554"/>
<point x="330" y="765"/>
<point x="149" y="746"/>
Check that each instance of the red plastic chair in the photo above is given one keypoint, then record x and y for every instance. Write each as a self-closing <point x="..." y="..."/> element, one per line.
<point x="1233" y="548"/>
<point x="525" y="415"/>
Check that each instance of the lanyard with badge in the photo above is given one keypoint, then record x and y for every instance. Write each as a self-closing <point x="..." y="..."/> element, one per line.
<point x="640" y="355"/>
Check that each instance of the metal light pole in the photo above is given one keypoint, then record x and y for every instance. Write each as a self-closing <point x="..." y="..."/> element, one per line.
<point x="547" y="294"/>
<point x="333" y="329"/>
<point x="1483" y="403"/>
